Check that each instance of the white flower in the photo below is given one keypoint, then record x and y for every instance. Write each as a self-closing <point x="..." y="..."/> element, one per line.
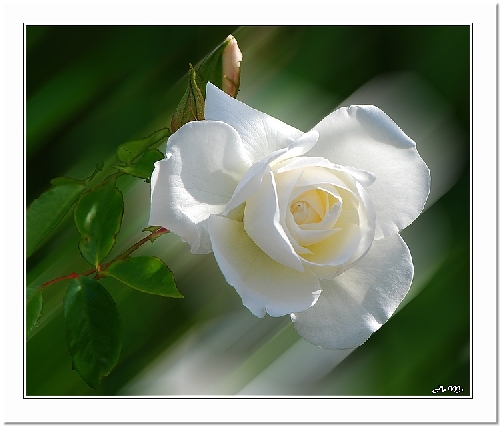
<point x="300" y="223"/>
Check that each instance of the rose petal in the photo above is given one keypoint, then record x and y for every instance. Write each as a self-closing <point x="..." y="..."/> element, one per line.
<point x="346" y="200"/>
<point x="252" y="179"/>
<point x="261" y="133"/>
<point x="316" y="210"/>
<point x="337" y="248"/>
<point x="356" y="209"/>
<point x="309" y="237"/>
<point x="334" y="210"/>
<point x="367" y="220"/>
<point x="359" y="301"/>
<point x="284" y="186"/>
<point x="205" y="160"/>
<point x="263" y="284"/>
<point x="362" y="176"/>
<point x="262" y="224"/>
<point x="300" y="146"/>
<point x="364" y="137"/>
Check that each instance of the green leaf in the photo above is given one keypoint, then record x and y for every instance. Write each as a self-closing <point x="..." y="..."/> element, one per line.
<point x="98" y="215"/>
<point x="93" y="329"/>
<point x="191" y="106"/>
<point x="34" y="302"/>
<point x="47" y="211"/>
<point x="144" y="166"/>
<point x="68" y="181"/>
<point x="129" y="151"/>
<point x="63" y="180"/>
<point x="147" y="274"/>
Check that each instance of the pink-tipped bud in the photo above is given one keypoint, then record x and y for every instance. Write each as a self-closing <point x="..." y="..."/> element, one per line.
<point x="231" y="58"/>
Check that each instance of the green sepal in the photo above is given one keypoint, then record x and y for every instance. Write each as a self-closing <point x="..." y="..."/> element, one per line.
<point x="151" y="229"/>
<point x="210" y="69"/>
<point x="93" y="329"/>
<point x="44" y="213"/>
<point x="146" y="274"/>
<point x="98" y="215"/>
<point x="34" y="303"/>
<point x="191" y="106"/>
<point x="143" y="167"/>
<point x="129" y="151"/>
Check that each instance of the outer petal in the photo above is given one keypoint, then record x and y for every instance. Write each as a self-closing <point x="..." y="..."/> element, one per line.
<point x="359" y="301"/>
<point x="366" y="138"/>
<point x="261" y="133"/>
<point x="367" y="220"/>
<point x="205" y="161"/>
<point x="263" y="284"/>
<point x="362" y="176"/>
<point x="251" y="181"/>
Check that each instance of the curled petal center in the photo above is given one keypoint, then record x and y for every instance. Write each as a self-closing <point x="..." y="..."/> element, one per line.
<point x="303" y="212"/>
<point x="299" y="210"/>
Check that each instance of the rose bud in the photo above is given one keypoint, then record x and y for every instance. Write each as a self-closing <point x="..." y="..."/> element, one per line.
<point x="231" y="58"/>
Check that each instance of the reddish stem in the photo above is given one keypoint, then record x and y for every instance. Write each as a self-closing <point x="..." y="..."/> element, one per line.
<point x="153" y="236"/>
<point x="68" y="277"/>
<point x="100" y="268"/>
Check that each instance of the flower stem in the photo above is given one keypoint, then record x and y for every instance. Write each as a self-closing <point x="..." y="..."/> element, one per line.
<point x="68" y="277"/>
<point x="151" y="237"/>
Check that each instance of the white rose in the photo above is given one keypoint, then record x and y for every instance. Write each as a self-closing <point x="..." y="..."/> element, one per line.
<point x="300" y="223"/>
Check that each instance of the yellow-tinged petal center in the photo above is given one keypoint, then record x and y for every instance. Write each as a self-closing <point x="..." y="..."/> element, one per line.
<point x="308" y="207"/>
<point x="300" y="210"/>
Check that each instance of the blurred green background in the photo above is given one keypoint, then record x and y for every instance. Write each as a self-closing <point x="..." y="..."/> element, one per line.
<point x="90" y="88"/>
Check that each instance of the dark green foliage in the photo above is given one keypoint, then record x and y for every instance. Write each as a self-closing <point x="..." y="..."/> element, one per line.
<point x="98" y="216"/>
<point x="34" y="301"/>
<point x="93" y="329"/>
<point x="143" y="167"/>
<point x="147" y="274"/>
<point x="47" y="211"/>
<point x="129" y="151"/>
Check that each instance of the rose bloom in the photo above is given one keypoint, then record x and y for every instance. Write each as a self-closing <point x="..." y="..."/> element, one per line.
<point x="304" y="224"/>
